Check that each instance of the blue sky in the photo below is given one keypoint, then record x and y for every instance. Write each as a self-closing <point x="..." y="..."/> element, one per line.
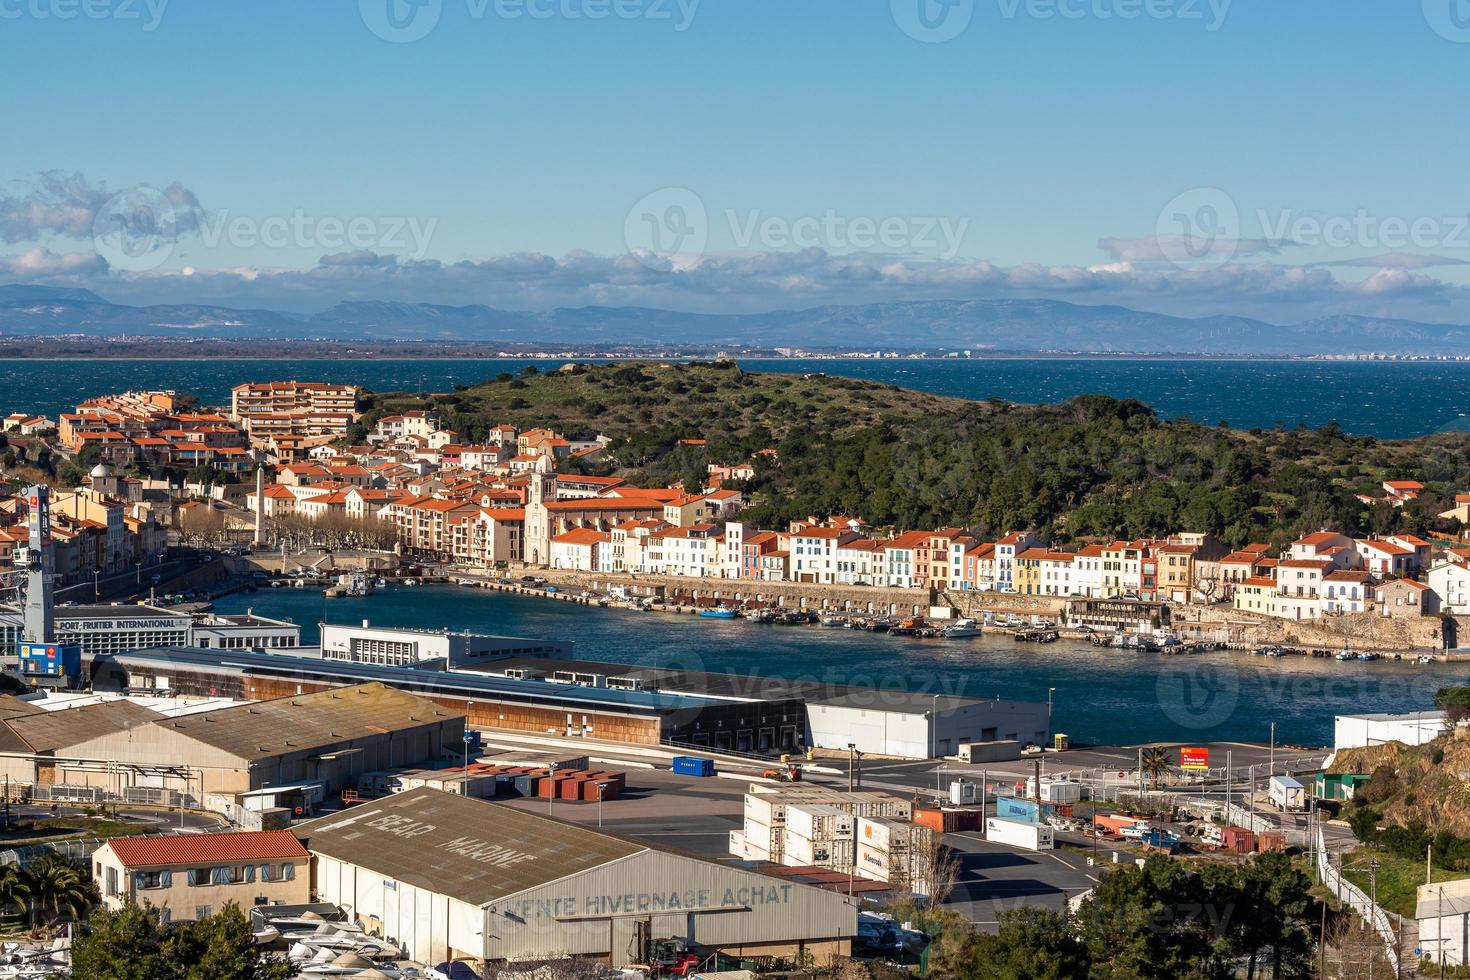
<point x="1279" y="158"/>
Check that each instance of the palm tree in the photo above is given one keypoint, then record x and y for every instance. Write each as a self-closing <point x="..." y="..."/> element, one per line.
<point x="15" y="885"/>
<point x="1156" y="764"/>
<point x="58" y="885"/>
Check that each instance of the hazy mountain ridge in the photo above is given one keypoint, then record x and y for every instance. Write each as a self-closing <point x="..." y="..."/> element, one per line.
<point x="981" y="325"/>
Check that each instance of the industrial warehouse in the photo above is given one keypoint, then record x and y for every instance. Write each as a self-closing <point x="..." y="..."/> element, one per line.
<point x="323" y="741"/>
<point x="447" y="876"/>
<point x="613" y="702"/>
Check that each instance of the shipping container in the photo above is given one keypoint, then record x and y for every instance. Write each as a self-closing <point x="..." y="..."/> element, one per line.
<point x="1270" y="841"/>
<point x="1016" y="833"/>
<point x="1010" y="808"/>
<point x="803" y="852"/>
<point x="962" y="793"/>
<point x="1001" y="751"/>
<point x="949" y="820"/>
<point x="692" y="765"/>
<point x="1056" y="790"/>
<point x="819" y="821"/>
<point x="1239" y="840"/>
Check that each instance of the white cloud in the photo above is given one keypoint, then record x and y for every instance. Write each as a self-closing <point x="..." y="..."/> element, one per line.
<point x="68" y="205"/>
<point x="41" y="263"/>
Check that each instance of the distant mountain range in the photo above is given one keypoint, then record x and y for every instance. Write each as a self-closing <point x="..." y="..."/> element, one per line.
<point x="981" y="325"/>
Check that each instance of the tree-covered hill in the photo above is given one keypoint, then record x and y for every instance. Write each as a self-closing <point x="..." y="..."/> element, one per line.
<point x="1090" y="468"/>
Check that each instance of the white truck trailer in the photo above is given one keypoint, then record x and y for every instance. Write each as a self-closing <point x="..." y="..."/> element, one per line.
<point x="1018" y="833"/>
<point x="1288" y="794"/>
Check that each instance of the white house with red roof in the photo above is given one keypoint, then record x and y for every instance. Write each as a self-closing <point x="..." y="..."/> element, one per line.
<point x="1347" y="591"/>
<point x="578" y="549"/>
<point x="1400" y="492"/>
<point x="1384" y="557"/>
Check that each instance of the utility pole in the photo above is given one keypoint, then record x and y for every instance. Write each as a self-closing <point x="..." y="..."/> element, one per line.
<point x="1273" y="750"/>
<point x="852" y="759"/>
<point x="1373" y="888"/>
<point x="1228" y="798"/>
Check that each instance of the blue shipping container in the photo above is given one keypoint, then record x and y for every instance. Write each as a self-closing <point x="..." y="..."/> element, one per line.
<point x="691" y="765"/>
<point x="1010" y="808"/>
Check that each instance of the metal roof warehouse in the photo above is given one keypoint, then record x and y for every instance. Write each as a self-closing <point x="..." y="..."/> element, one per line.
<point x="448" y="876"/>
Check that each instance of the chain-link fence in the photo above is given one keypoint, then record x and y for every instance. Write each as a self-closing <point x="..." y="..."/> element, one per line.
<point x="1351" y="895"/>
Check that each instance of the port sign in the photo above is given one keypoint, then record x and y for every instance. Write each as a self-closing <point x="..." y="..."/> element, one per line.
<point x="1194" y="758"/>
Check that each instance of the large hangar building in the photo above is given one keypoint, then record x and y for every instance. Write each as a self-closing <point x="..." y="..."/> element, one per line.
<point x="452" y="877"/>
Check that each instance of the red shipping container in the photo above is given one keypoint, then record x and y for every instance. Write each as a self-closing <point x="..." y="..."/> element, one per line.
<point x="1271" y="841"/>
<point x="1239" y="840"/>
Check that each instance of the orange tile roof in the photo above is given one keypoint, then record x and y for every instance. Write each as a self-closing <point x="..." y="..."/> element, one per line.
<point x="582" y="535"/>
<point x="249" y="845"/>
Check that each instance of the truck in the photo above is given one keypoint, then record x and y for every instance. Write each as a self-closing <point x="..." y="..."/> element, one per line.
<point x="693" y="765"/>
<point x="1017" y="833"/>
<point x="1288" y="794"/>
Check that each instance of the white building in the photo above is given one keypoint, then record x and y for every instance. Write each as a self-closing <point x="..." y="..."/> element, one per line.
<point x="368" y="644"/>
<point x="1443" y="911"/>
<point x="921" y="726"/>
<point x="814" y="553"/>
<point x="1006" y="550"/>
<point x="1450" y="580"/>
<point x="1359" y="731"/>
<point x="578" y="549"/>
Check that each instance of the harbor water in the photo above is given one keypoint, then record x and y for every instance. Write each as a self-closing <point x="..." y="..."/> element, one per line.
<point x="1100" y="695"/>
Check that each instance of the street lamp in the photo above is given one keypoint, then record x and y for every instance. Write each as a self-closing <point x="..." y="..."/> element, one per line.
<point x="550" y="788"/>
<point x="934" y="739"/>
<point x="600" y="788"/>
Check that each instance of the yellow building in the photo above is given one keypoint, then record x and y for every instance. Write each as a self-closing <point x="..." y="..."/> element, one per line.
<point x="192" y="876"/>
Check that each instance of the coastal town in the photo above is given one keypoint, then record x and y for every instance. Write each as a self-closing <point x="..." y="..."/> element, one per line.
<point x="282" y="452"/>
<point x="370" y="798"/>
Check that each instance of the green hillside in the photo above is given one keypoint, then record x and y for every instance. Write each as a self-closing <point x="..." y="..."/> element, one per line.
<point x="1093" y="467"/>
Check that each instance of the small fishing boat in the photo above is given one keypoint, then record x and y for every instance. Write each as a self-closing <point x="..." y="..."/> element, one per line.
<point x="833" y="622"/>
<point x="1368" y="656"/>
<point x="1344" y="655"/>
<point x="719" y="612"/>
<point x="908" y="627"/>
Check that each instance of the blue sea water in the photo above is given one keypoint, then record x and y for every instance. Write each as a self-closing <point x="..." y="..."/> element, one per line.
<point x="1389" y="400"/>
<point x="1101" y="696"/>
